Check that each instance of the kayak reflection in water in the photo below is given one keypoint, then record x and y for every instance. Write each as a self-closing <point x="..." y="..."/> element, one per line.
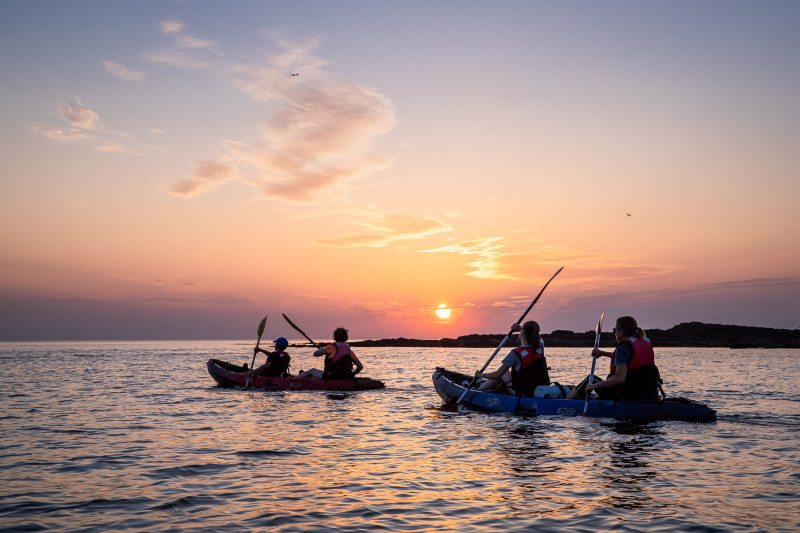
<point x="523" y="369"/>
<point x="634" y="373"/>
<point x="339" y="359"/>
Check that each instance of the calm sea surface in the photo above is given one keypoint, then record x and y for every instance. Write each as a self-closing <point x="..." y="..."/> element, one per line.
<point x="137" y="437"/>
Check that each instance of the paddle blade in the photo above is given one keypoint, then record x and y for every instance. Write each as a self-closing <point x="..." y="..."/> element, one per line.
<point x="261" y="326"/>
<point x="598" y="330"/>
<point x="451" y="407"/>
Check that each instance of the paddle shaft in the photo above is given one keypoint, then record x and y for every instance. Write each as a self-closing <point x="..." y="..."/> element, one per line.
<point x="598" y="329"/>
<point x="303" y="333"/>
<point x="261" y="326"/>
<point x="471" y="383"/>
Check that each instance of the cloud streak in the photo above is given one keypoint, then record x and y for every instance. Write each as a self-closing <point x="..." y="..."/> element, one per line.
<point x="84" y="127"/>
<point x="494" y="261"/>
<point x="381" y="229"/>
<point x="122" y="72"/>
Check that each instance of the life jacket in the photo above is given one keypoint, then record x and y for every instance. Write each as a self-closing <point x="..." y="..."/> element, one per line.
<point x="340" y="366"/>
<point x="533" y="371"/>
<point x="642" y="378"/>
<point x="642" y="352"/>
<point x="278" y="364"/>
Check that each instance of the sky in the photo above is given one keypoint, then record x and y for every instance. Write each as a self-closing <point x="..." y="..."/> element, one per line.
<point x="180" y="169"/>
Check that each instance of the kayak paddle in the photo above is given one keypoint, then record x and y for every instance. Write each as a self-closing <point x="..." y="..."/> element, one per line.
<point x="449" y="406"/>
<point x="597" y="331"/>
<point x="303" y="333"/>
<point x="261" y="327"/>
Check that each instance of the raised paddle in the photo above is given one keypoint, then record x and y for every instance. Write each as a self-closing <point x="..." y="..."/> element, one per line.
<point x="303" y="333"/>
<point x="261" y="327"/>
<point x="449" y="406"/>
<point x="597" y="331"/>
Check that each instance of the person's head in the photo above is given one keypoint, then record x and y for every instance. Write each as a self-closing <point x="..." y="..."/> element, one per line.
<point x="281" y="344"/>
<point x="529" y="333"/>
<point x="626" y="326"/>
<point x="340" y="334"/>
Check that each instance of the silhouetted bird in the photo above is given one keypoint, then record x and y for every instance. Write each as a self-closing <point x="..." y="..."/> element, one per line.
<point x="628" y="214"/>
<point x="295" y="74"/>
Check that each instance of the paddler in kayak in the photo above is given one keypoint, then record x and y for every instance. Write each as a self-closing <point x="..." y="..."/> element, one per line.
<point x="277" y="364"/>
<point x="634" y="373"/>
<point x="339" y="358"/>
<point x="523" y="369"/>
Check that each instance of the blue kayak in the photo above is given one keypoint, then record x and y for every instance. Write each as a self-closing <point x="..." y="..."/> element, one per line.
<point x="451" y="385"/>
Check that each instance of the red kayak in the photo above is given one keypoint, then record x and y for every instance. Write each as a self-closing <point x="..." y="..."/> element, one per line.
<point x="230" y="375"/>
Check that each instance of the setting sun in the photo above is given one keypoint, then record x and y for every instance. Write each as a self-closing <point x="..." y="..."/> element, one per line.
<point x="443" y="311"/>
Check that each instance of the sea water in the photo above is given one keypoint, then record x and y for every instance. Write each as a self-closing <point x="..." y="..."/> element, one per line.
<point x="136" y="437"/>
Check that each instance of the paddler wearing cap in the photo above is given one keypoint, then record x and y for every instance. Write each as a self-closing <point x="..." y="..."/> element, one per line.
<point x="277" y="364"/>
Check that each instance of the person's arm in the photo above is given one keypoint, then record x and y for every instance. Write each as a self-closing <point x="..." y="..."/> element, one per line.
<point x="323" y="351"/>
<point x="620" y="374"/>
<point x="597" y="352"/>
<point x="259" y="369"/>
<point x="497" y="374"/>
<point x="359" y="366"/>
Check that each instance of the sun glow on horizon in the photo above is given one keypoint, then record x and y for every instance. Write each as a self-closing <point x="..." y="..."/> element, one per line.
<point x="443" y="311"/>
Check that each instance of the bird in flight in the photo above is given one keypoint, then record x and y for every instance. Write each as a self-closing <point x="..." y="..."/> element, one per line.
<point x="628" y="214"/>
<point x="294" y="74"/>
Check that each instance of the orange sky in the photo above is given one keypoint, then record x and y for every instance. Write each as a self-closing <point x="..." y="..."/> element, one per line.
<point x="165" y="176"/>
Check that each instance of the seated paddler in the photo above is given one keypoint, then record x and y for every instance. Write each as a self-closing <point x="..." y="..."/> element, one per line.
<point x="634" y="374"/>
<point x="277" y="364"/>
<point x="523" y="369"/>
<point x="340" y="361"/>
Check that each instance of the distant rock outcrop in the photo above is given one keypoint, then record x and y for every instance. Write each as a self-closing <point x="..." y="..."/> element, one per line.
<point x="687" y="334"/>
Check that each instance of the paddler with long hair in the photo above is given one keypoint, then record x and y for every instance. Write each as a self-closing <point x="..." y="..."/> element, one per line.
<point x="634" y="373"/>
<point x="523" y="369"/>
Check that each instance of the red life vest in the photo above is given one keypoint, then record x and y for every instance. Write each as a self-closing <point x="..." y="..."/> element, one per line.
<point x="533" y="371"/>
<point x="528" y="355"/>
<point x="642" y="352"/>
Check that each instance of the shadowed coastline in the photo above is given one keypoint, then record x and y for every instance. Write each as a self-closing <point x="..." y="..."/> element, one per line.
<point x="687" y="334"/>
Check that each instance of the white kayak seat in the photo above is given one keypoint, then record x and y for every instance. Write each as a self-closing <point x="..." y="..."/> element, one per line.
<point x="554" y="391"/>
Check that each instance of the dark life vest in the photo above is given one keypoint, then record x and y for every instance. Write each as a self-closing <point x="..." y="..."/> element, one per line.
<point x="278" y="364"/>
<point x="340" y="366"/>
<point x="533" y="371"/>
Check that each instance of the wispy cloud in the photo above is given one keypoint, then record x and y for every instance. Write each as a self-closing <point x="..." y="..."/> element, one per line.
<point x="318" y="129"/>
<point x="179" y="53"/>
<point x="76" y="114"/>
<point x="497" y="258"/>
<point x="170" y="26"/>
<point x="122" y="72"/>
<point x="381" y="228"/>
<point x="487" y="265"/>
<point x="207" y="174"/>
<point x="85" y="127"/>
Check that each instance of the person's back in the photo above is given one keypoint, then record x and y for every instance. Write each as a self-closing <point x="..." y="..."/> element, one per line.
<point x="340" y="364"/>
<point x="278" y="364"/>
<point x="533" y="370"/>
<point x="643" y="378"/>
<point x="339" y="358"/>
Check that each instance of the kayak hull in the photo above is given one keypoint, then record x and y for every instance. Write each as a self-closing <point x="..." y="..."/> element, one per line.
<point x="448" y="385"/>
<point x="229" y="375"/>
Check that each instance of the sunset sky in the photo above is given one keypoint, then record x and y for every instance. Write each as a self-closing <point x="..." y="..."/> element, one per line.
<point x="166" y="175"/>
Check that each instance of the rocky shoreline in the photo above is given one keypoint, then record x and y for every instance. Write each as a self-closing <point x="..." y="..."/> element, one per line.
<point x="685" y="335"/>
